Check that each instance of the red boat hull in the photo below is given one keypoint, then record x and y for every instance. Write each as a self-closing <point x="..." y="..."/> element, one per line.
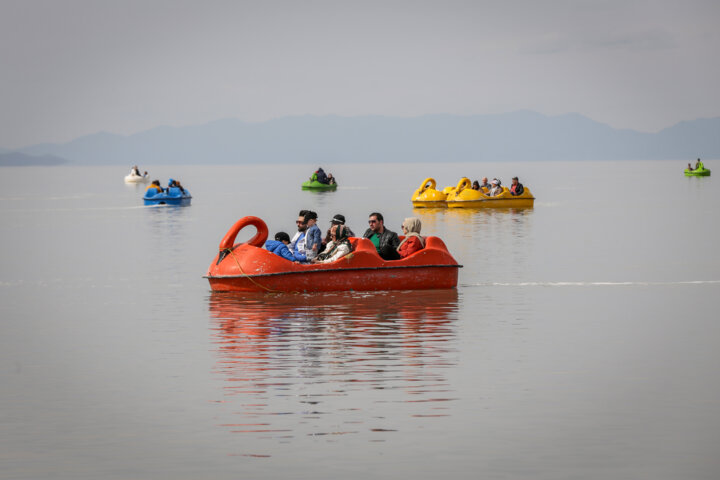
<point x="248" y="268"/>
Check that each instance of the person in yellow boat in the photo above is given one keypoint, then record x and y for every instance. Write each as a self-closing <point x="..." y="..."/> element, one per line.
<point x="495" y="188"/>
<point x="516" y="188"/>
<point x="476" y="185"/>
<point x="485" y="184"/>
<point x="156" y="185"/>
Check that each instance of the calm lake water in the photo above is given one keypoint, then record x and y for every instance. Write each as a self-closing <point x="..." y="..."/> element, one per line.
<point x="582" y="342"/>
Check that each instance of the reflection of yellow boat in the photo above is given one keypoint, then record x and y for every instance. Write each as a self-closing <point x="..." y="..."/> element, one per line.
<point x="428" y="196"/>
<point x="465" y="197"/>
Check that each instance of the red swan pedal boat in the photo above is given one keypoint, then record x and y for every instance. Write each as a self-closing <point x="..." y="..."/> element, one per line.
<point x="247" y="267"/>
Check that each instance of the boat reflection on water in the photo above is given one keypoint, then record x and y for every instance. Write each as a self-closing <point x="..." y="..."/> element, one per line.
<point x="333" y="363"/>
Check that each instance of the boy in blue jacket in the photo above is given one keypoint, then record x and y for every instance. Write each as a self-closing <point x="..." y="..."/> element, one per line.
<point x="279" y="246"/>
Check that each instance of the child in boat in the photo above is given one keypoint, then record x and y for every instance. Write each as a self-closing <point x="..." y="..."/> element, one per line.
<point x="337" y="248"/>
<point x="279" y="246"/>
<point x="413" y="241"/>
<point x="313" y="236"/>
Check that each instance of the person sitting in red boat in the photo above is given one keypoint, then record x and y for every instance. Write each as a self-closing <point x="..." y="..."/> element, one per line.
<point x="313" y="236"/>
<point x="297" y="245"/>
<point x="156" y="185"/>
<point x="279" y="246"/>
<point x="337" y="248"/>
<point x="385" y="241"/>
<point x="336" y="220"/>
<point x="516" y="188"/>
<point x="412" y="241"/>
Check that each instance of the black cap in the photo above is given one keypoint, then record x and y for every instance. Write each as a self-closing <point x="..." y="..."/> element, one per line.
<point x="338" y="220"/>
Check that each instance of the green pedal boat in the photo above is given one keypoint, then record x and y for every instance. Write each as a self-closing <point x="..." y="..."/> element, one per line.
<point x="319" y="187"/>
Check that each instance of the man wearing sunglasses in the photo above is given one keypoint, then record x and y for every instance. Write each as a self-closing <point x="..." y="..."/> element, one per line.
<point x="385" y="241"/>
<point x="297" y="245"/>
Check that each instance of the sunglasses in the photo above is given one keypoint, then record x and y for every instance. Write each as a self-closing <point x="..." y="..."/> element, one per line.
<point x="299" y="222"/>
<point x="372" y="221"/>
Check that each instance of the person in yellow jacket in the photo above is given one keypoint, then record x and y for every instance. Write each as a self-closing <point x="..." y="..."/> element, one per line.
<point x="156" y="185"/>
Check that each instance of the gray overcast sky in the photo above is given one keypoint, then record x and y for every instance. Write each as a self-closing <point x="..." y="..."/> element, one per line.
<point x="75" y="67"/>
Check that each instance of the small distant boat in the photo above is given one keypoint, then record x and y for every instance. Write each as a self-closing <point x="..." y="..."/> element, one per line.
<point x="171" y="196"/>
<point x="701" y="171"/>
<point x="465" y="197"/>
<point x="136" y="178"/>
<point x="317" y="186"/>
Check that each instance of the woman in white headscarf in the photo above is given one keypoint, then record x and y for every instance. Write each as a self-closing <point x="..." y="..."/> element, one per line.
<point x="412" y="241"/>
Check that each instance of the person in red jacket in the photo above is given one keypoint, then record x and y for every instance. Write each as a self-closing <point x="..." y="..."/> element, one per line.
<point x="413" y="241"/>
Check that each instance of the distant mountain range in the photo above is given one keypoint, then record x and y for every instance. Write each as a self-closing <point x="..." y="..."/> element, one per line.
<point x="17" y="159"/>
<point x="517" y="136"/>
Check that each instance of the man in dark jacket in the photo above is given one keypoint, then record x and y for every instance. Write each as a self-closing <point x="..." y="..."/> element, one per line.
<point x="385" y="241"/>
<point x="516" y="188"/>
<point x="321" y="176"/>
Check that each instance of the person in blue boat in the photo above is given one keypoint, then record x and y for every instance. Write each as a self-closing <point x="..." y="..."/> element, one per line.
<point x="279" y="246"/>
<point x="385" y="241"/>
<point x="155" y="185"/>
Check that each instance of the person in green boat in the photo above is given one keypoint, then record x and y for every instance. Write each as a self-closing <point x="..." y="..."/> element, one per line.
<point x="320" y="176"/>
<point x="699" y="165"/>
<point x="690" y="169"/>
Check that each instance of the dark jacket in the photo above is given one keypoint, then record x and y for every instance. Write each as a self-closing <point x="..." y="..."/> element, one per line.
<point x="321" y="176"/>
<point x="517" y="189"/>
<point x="389" y="241"/>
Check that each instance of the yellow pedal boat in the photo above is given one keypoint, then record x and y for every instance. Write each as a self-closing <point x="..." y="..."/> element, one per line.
<point x="463" y="196"/>
<point x="427" y="196"/>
